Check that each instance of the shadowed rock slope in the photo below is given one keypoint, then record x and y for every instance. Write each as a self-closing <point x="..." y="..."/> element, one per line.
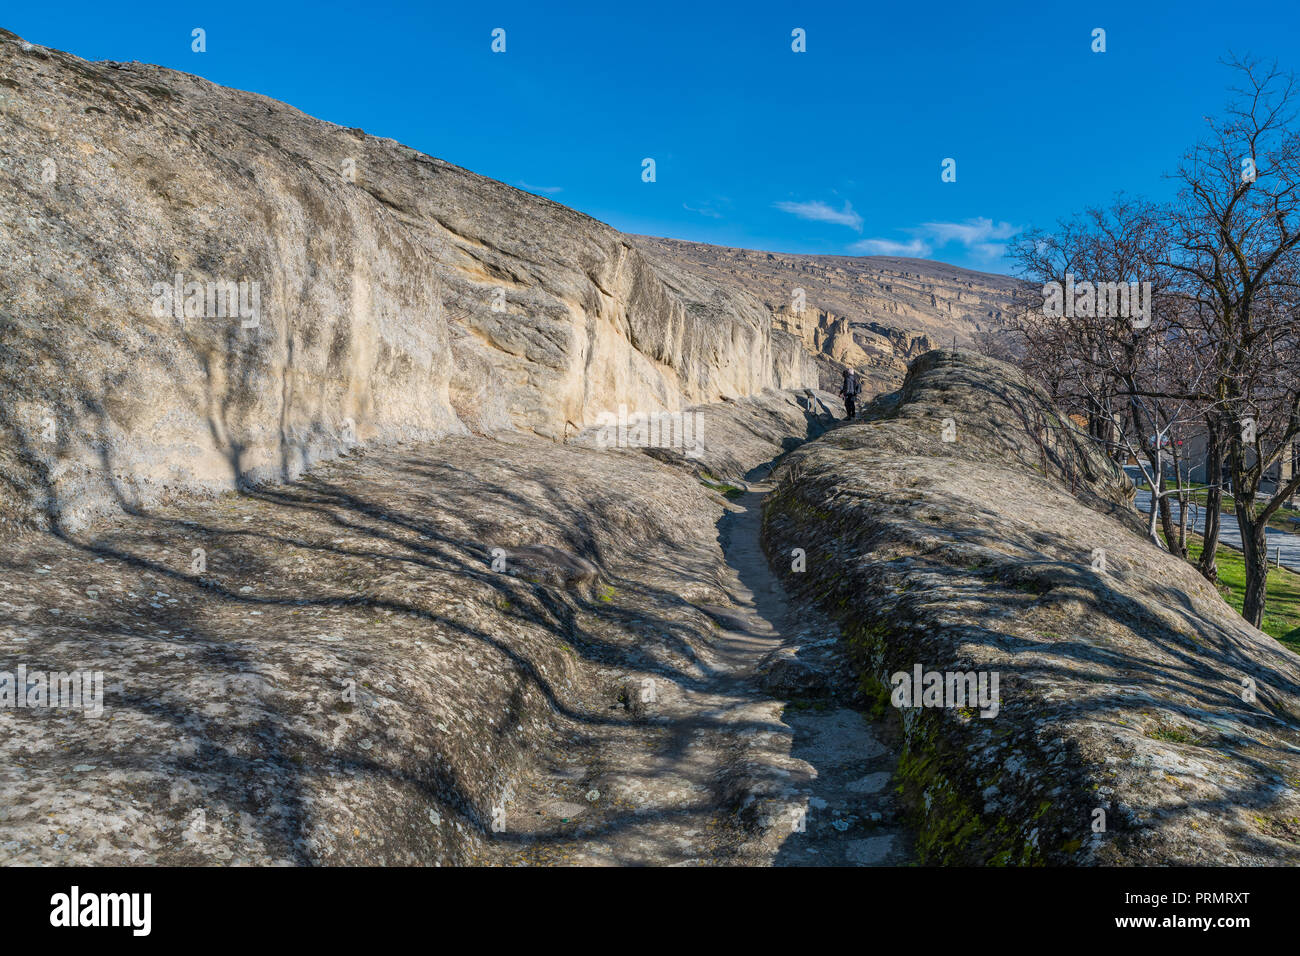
<point x="386" y="295"/>
<point x="350" y="677"/>
<point x="1125" y="688"/>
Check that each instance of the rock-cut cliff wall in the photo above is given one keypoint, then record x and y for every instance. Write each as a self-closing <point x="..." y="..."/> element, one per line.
<point x="200" y="286"/>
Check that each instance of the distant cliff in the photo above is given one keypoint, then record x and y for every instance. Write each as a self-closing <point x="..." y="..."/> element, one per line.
<point x="874" y="312"/>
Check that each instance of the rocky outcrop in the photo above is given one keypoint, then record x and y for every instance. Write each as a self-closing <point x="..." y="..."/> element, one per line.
<point x="876" y="313"/>
<point x="728" y="438"/>
<point x="201" y="287"/>
<point x="964" y="527"/>
<point x="396" y="660"/>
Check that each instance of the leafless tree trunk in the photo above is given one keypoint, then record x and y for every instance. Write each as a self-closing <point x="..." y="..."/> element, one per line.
<point x="1235" y="233"/>
<point x="1208" y="564"/>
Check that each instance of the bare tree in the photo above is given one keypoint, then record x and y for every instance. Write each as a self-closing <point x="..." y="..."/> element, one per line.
<point x="1234" y="233"/>
<point x="1221" y="353"/>
<point x="1106" y="351"/>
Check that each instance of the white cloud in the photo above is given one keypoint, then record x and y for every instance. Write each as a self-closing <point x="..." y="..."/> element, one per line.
<point x="982" y="238"/>
<point x="819" y="211"/>
<point x="968" y="233"/>
<point x="915" y="248"/>
<point x="548" y="190"/>
<point x="989" y="250"/>
<point x="703" y="211"/>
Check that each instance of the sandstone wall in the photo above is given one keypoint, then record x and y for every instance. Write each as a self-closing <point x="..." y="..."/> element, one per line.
<point x="399" y="297"/>
<point x="876" y="313"/>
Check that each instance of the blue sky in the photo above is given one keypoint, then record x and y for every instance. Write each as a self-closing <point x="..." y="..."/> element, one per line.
<point x="837" y="150"/>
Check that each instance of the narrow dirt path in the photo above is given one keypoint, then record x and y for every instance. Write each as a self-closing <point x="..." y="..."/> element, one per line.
<point x="850" y="817"/>
<point x="332" y="671"/>
<point x="719" y="771"/>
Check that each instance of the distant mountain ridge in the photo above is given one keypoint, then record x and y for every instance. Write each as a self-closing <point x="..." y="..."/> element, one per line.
<point x="874" y="312"/>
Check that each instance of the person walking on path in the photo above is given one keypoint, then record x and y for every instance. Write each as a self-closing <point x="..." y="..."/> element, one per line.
<point x="851" y="389"/>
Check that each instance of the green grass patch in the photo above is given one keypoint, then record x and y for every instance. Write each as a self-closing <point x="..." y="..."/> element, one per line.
<point x="1178" y="735"/>
<point x="1282" y="607"/>
<point x="723" y="488"/>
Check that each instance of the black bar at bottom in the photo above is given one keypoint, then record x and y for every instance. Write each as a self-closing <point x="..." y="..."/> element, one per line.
<point x="341" y="906"/>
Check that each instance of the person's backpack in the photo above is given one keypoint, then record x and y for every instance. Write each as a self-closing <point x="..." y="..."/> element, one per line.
<point x="851" y="384"/>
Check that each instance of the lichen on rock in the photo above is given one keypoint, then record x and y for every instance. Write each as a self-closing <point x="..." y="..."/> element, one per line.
<point x="1132" y="697"/>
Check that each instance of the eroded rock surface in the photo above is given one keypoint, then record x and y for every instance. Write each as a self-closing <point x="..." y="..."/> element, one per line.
<point x="1128" y="687"/>
<point x="331" y="670"/>
<point x="717" y="764"/>
<point x="427" y="613"/>
<point x="876" y="313"/>
<point x="347" y="289"/>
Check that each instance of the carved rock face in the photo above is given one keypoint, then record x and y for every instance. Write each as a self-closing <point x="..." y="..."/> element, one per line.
<point x="876" y="313"/>
<point x="204" y="287"/>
